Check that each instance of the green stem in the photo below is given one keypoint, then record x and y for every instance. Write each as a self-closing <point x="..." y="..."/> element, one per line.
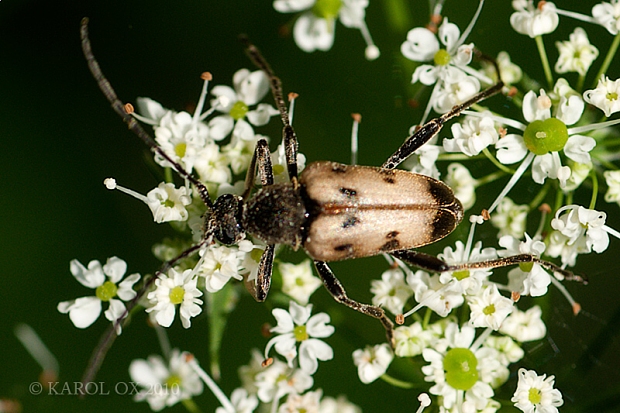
<point x="495" y="162"/>
<point x="580" y="82"/>
<point x="558" y="200"/>
<point x="191" y="406"/>
<point x="427" y="318"/>
<point x="610" y="55"/>
<point x="544" y="60"/>
<point x="489" y="178"/>
<point x="540" y="196"/>
<point x="168" y="175"/>
<point x="397" y="383"/>
<point x="594" y="188"/>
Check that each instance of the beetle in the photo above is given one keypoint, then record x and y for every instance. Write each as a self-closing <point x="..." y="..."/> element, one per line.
<point x="331" y="210"/>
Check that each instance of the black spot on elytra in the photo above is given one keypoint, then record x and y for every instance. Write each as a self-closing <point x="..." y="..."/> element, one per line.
<point x="388" y="175"/>
<point x="338" y="167"/>
<point x="344" y="247"/>
<point x="348" y="192"/>
<point x="349" y="222"/>
<point x="392" y="234"/>
<point x="391" y="245"/>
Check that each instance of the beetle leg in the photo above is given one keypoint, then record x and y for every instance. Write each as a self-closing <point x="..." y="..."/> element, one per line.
<point x="433" y="126"/>
<point x="434" y="264"/>
<point x="335" y="288"/>
<point x="265" y="169"/>
<point x="263" y="278"/>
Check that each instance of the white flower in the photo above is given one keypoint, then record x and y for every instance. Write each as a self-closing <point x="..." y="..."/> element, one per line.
<point x="606" y="96"/>
<point x="278" y="380"/>
<point x="545" y="135"/>
<point x="391" y="292"/>
<point x="422" y="46"/>
<point x="582" y="228"/>
<point x="306" y="403"/>
<point x="212" y="165"/>
<point x="372" y="362"/>
<point x="432" y="293"/>
<point x="296" y="326"/>
<point x="577" y="54"/>
<point x="472" y="135"/>
<point x="339" y="405"/>
<point x="462" y="183"/>
<point x="315" y="27"/>
<point x="84" y="311"/>
<point x="524" y="326"/>
<point x="608" y="15"/>
<point x="298" y="282"/>
<point x="219" y="265"/>
<point x="241" y="401"/>
<point x="613" y="186"/>
<point x="454" y="368"/>
<point x="533" y="21"/>
<point x="411" y="340"/>
<point x="425" y="157"/>
<point x="468" y="281"/>
<point x="535" y="394"/>
<point x="455" y="88"/>
<point x="172" y="289"/>
<point x="528" y="278"/>
<point x="509" y="351"/>
<point x="510" y="218"/>
<point x="168" y="203"/>
<point x="490" y="308"/>
<point x="165" y="384"/>
<point x="509" y="72"/>
<point x="240" y="153"/>
<point x="249" y="89"/>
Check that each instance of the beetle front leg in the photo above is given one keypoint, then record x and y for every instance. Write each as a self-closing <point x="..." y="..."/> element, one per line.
<point x="433" y="126"/>
<point x="335" y="288"/>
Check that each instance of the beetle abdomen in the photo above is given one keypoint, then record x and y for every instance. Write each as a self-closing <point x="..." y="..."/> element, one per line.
<point x="361" y="211"/>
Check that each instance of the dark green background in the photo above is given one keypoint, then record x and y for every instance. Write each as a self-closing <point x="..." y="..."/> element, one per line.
<point x="60" y="140"/>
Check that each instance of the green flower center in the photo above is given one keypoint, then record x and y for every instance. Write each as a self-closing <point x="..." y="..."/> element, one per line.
<point x="299" y="282"/>
<point x="534" y="396"/>
<point x="106" y="291"/>
<point x="460" y="275"/>
<point x="442" y="57"/>
<point x="179" y="149"/>
<point x="239" y="110"/>
<point x="177" y="294"/>
<point x="327" y="9"/>
<point x="489" y="309"/>
<point x="526" y="266"/>
<point x="611" y="96"/>
<point x="278" y="169"/>
<point x="168" y="203"/>
<point x="256" y="254"/>
<point x="544" y="136"/>
<point x="173" y="382"/>
<point x="460" y="365"/>
<point x="300" y="333"/>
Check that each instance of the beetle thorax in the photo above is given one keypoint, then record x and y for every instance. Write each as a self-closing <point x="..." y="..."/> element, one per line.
<point x="276" y="214"/>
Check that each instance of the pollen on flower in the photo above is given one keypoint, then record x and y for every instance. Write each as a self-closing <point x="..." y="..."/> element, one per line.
<point x="206" y="76"/>
<point x="292" y="96"/>
<point x="129" y="109"/>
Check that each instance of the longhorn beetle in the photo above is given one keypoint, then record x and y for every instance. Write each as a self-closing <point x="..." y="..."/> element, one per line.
<point x="333" y="211"/>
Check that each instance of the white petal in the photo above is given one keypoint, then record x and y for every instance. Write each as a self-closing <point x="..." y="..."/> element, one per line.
<point x="125" y="288"/>
<point x="165" y="316"/>
<point x="317" y="326"/>
<point x="448" y="34"/>
<point x="284" y="320"/>
<point x="242" y="130"/>
<point x="511" y="149"/>
<point x="578" y="148"/>
<point x="426" y="74"/>
<point x="115" y="268"/>
<point x="85" y="311"/>
<point x="312" y="33"/>
<point x="252" y="88"/>
<point x="570" y="110"/>
<point x="220" y="127"/>
<point x="261" y="115"/>
<point x="92" y="277"/>
<point x="288" y="6"/>
<point x="225" y="98"/>
<point x="148" y="108"/>
<point x="421" y="45"/>
<point x="311" y="350"/>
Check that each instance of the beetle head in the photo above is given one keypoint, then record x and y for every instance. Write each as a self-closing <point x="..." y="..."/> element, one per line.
<point x="225" y="219"/>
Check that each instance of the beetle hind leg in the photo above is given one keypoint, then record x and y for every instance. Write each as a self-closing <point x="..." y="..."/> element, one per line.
<point x="337" y="291"/>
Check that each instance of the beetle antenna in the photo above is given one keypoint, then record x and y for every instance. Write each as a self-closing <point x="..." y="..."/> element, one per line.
<point x="124" y="111"/>
<point x="107" y="339"/>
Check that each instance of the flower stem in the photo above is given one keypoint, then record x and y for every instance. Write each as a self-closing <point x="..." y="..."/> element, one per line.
<point x="610" y="55"/>
<point x="489" y="178"/>
<point x="540" y="196"/>
<point x="397" y="383"/>
<point x="495" y="162"/>
<point x="594" y="189"/>
<point x="544" y="60"/>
